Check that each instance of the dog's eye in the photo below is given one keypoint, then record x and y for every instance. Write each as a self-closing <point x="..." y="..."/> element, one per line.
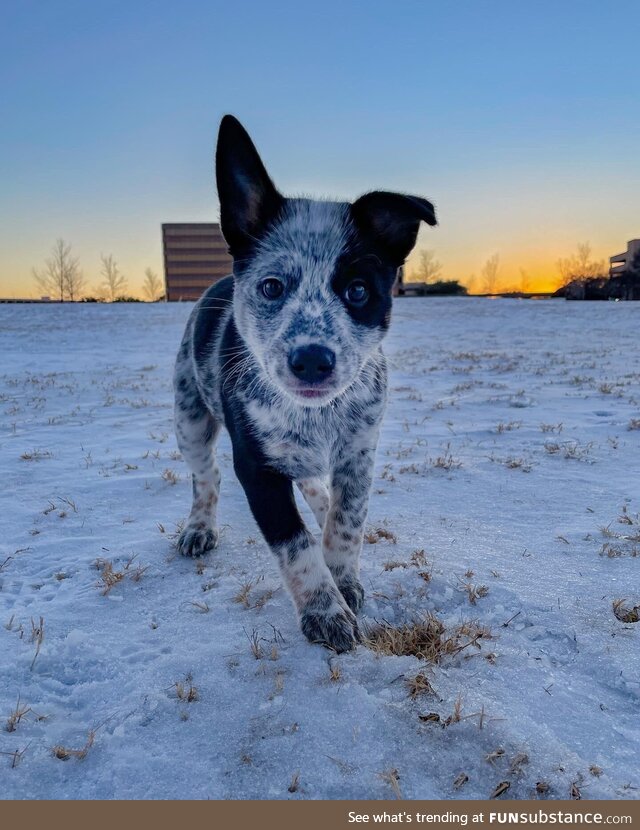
<point x="357" y="293"/>
<point x="272" y="288"/>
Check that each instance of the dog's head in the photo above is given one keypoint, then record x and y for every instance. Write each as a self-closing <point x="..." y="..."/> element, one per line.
<point x="313" y="279"/>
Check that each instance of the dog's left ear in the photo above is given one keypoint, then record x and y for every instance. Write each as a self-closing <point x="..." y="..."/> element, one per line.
<point x="249" y="201"/>
<point x="392" y="221"/>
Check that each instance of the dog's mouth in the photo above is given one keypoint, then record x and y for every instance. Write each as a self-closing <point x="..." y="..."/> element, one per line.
<point x="311" y="393"/>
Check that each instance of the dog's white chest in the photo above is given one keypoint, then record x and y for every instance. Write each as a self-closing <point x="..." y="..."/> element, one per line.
<point x="298" y="446"/>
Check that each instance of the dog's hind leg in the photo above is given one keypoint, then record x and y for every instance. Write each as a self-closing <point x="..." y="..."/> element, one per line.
<point x="196" y="439"/>
<point x="316" y="495"/>
<point x="196" y="432"/>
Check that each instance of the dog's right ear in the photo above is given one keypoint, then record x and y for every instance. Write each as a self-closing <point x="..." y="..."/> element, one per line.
<point x="249" y="201"/>
<point x="392" y="221"/>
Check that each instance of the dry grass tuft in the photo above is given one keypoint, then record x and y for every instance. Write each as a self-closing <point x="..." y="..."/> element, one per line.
<point x="500" y="789"/>
<point x="37" y="637"/>
<point x="512" y="463"/>
<point x="255" y="645"/>
<point x="16" y="756"/>
<point x="244" y="596"/>
<point x="574" y="791"/>
<point x="63" y="753"/>
<point x="335" y="672"/>
<point x="419" y="558"/>
<point x="430" y="717"/>
<point x="186" y="691"/>
<point x="625" y="614"/>
<point x="202" y="607"/>
<point x="424" y="638"/>
<point x="16" y="716"/>
<point x="109" y="577"/>
<point x="419" y="685"/>
<point x="456" y="715"/>
<point x="517" y="762"/>
<point x="460" y="781"/>
<point x="492" y="757"/>
<point x="392" y="778"/>
<point x="508" y="427"/>
<point x="374" y="536"/>
<point x="36" y="455"/>
<point x="294" y="786"/>
<point x="551" y="427"/>
<point x="446" y="461"/>
<point x="624" y="518"/>
<point x="170" y="476"/>
<point x="474" y="592"/>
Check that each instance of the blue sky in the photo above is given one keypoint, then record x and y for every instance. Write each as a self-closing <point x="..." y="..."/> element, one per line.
<point x="521" y="121"/>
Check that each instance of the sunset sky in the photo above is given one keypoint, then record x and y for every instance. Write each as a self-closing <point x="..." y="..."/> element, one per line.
<point x="521" y="121"/>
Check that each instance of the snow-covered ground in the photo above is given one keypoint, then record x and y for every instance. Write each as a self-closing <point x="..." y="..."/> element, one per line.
<point x="508" y="456"/>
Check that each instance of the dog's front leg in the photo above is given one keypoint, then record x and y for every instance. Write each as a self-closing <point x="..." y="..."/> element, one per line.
<point x="316" y="496"/>
<point x="324" y="615"/>
<point x="342" y="540"/>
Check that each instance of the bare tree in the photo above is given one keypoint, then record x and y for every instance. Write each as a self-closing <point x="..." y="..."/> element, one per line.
<point x="489" y="274"/>
<point x="61" y="276"/>
<point x="152" y="287"/>
<point x="113" y="282"/>
<point x="75" y="283"/>
<point x="525" y="281"/>
<point x="580" y="265"/>
<point x="430" y="269"/>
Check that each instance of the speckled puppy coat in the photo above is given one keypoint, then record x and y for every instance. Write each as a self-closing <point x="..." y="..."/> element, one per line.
<point x="286" y="354"/>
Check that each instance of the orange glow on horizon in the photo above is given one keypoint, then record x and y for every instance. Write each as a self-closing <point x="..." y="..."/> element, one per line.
<point x="541" y="281"/>
<point x="521" y="267"/>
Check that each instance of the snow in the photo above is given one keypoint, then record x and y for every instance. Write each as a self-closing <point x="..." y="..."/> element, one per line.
<point x="85" y="440"/>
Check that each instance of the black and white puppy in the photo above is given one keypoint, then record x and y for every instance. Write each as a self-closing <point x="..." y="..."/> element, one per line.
<point x="286" y="354"/>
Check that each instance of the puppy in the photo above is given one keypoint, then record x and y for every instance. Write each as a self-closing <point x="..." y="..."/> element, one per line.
<point x="286" y="354"/>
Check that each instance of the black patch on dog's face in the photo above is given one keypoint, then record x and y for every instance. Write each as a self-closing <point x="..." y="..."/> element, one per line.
<point x="356" y="266"/>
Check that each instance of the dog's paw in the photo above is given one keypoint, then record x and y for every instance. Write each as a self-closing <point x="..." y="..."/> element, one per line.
<point x="336" y="629"/>
<point x="353" y="593"/>
<point x="196" y="541"/>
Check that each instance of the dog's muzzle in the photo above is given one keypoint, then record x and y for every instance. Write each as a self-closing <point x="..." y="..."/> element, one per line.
<point x="312" y="364"/>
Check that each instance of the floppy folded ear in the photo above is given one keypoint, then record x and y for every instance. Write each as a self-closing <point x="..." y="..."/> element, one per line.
<point x="392" y="220"/>
<point x="249" y="200"/>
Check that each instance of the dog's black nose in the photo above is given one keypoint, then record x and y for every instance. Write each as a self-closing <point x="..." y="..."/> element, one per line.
<point x="312" y="363"/>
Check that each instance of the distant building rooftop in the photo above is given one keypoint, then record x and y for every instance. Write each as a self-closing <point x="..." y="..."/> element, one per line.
<point x="619" y="262"/>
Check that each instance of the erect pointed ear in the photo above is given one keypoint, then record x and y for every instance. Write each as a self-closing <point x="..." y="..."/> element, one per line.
<point x="249" y="200"/>
<point x="392" y="220"/>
